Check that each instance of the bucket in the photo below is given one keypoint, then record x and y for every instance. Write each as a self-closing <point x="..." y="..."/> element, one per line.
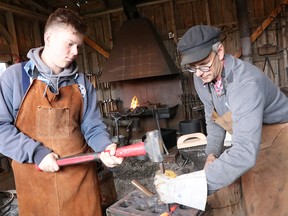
<point x="190" y="126"/>
<point x="6" y="200"/>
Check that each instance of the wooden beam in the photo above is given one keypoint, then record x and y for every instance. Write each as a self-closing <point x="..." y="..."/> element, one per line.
<point x="37" y="34"/>
<point x="64" y="3"/>
<point x="22" y="12"/>
<point x="39" y="7"/>
<point x="96" y="47"/>
<point x="12" y="30"/>
<point x="41" y="17"/>
<point x="92" y="15"/>
<point x="264" y="25"/>
<point x="207" y="12"/>
<point x="4" y="49"/>
<point x="6" y="34"/>
<point x="173" y="22"/>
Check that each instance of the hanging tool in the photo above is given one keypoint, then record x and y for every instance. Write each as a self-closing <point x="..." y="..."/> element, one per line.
<point x="270" y="66"/>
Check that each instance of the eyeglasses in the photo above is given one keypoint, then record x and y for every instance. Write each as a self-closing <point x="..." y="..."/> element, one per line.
<point x="204" y="68"/>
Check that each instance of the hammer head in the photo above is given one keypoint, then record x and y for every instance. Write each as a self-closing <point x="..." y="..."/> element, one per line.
<point x="154" y="146"/>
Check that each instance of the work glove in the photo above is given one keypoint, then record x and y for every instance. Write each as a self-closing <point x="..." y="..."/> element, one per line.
<point x="187" y="189"/>
<point x="108" y="158"/>
<point x="49" y="163"/>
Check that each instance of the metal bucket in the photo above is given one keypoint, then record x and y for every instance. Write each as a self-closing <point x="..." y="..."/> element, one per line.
<point x="190" y="126"/>
<point x="6" y="199"/>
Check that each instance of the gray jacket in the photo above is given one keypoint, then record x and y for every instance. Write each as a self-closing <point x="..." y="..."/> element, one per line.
<point x="253" y="100"/>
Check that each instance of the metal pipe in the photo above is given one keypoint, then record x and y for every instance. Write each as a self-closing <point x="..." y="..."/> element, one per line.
<point x="142" y="188"/>
<point x="242" y="16"/>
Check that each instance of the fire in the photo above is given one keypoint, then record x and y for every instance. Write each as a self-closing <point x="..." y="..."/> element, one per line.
<point x="134" y="102"/>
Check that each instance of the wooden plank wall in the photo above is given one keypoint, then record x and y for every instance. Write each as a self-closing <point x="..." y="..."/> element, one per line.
<point x="177" y="17"/>
<point x="171" y="18"/>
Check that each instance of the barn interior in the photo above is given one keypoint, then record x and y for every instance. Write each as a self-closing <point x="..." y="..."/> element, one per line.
<point x="130" y="56"/>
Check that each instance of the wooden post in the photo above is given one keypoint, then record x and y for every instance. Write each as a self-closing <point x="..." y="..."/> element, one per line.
<point x="12" y="31"/>
<point x="284" y="42"/>
<point x="263" y="26"/>
<point x="207" y="12"/>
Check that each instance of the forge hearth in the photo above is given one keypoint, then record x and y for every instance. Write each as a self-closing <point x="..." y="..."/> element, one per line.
<point x="162" y="112"/>
<point x="137" y="203"/>
<point x="130" y="119"/>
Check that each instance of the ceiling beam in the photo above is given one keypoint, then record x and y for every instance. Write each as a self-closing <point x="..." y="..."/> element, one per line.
<point x="6" y="34"/>
<point x="41" y="8"/>
<point x="62" y="3"/>
<point x="23" y="12"/>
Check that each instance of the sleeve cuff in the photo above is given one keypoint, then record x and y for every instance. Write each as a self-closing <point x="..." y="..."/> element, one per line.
<point x="40" y="153"/>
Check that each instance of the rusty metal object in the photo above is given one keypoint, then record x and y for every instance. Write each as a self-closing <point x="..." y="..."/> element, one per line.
<point x="142" y="188"/>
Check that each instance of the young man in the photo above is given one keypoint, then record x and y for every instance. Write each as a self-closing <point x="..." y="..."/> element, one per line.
<point x="48" y="109"/>
<point x="238" y="98"/>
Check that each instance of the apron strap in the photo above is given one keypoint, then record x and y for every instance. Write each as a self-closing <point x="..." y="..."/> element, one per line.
<point x="25" y="78"/>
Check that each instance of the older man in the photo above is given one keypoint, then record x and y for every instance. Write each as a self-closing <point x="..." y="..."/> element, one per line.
<point x="239" y="98"/>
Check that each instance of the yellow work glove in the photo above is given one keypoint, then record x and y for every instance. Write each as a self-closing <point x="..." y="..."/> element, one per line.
<point x="187" y="189"/>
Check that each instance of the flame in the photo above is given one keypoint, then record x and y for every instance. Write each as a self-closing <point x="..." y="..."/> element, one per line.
<point x="134" y="102"/>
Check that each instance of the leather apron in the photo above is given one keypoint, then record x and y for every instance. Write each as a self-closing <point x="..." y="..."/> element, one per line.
<point x="264" y="187"/>
<point x="54" y="120"/>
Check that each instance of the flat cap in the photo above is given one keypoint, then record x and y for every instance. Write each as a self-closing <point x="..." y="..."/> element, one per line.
<point x="196" y="44"/>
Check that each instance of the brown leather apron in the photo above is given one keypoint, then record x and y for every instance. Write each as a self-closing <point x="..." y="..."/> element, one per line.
<point x="54" y="120"/>
<point x="264" y="191"/>
<point x="265" y="186"/>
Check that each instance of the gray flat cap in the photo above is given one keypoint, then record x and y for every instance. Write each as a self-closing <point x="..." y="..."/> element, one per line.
<point x="196" y="43"/>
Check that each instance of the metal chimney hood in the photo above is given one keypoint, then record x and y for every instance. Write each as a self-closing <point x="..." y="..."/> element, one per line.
<point x="138" y="52"/>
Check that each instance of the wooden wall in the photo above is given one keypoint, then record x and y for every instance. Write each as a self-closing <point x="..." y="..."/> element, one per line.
<point x="168" y="16"/>
<point x="22" y="29"/>
<point x="176" y="17"/>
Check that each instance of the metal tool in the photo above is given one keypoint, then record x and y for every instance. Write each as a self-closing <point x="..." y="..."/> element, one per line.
<point x="142" y="188"/>
<point x="152" y="147"/>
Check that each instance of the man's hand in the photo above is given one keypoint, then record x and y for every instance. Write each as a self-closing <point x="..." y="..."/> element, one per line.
<point x="210" y="159"/>
<point x="49" y="164"/>
<point x="108" y="158"/>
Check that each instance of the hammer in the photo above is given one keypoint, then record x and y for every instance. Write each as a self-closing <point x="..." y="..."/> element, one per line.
<point x="152" y="147"/>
